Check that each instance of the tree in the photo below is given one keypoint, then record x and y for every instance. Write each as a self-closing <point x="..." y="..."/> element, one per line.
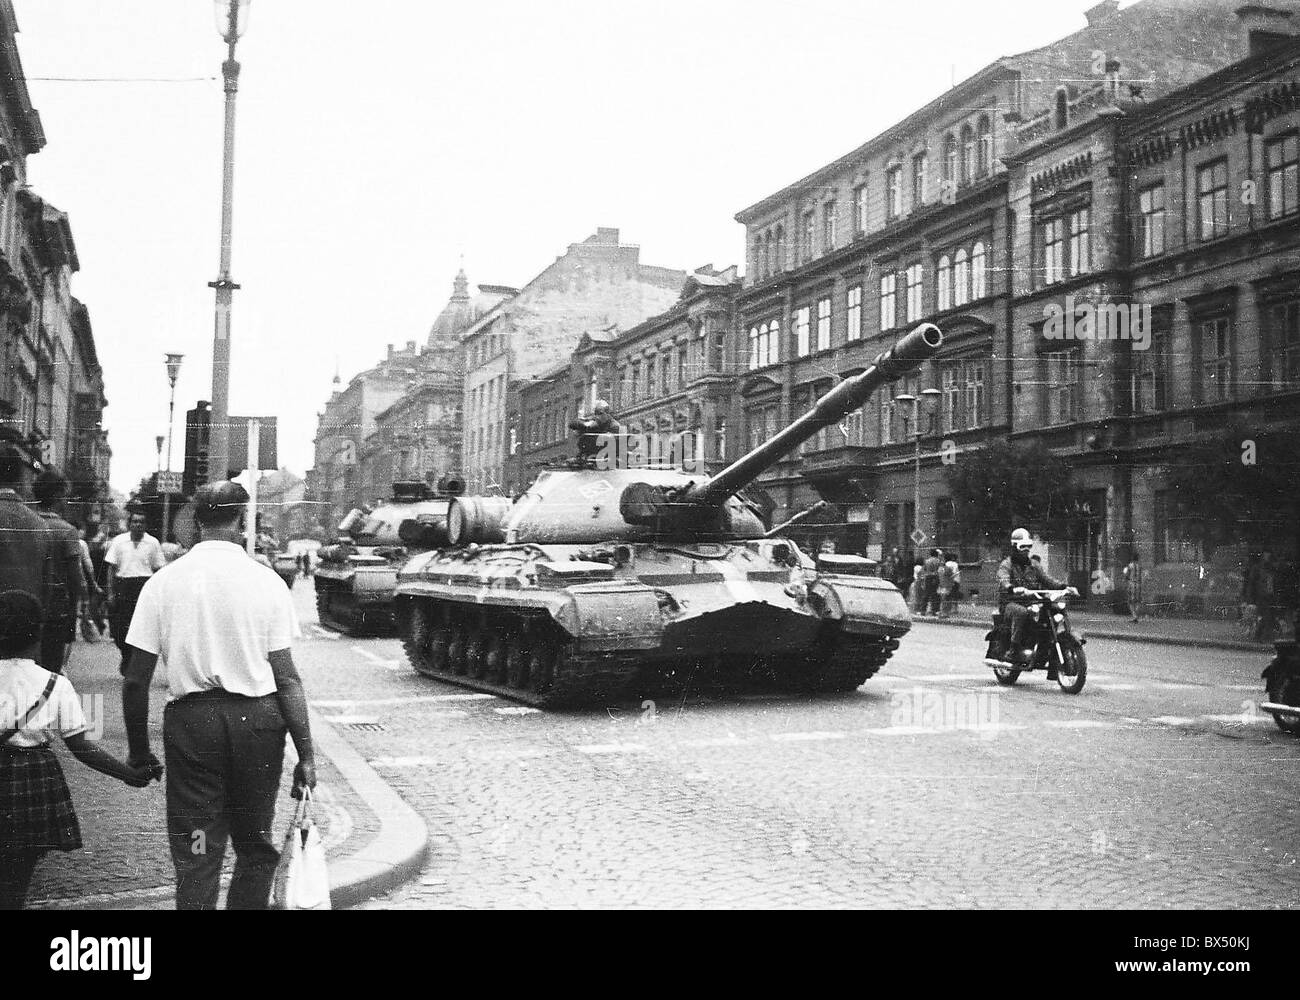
<point x="1238" y="487"/>
<point x="1004" y="486"/>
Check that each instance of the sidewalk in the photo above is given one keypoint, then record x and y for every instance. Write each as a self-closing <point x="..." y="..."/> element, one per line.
<point x="373" y="840"/>
<point x="1199" y="632"/>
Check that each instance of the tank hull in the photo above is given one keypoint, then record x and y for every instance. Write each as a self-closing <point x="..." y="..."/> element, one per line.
<point x="356" y="599"/>
<point x="543" y="626"/>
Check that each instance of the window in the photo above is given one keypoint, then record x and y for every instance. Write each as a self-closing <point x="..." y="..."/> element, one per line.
<point x="1061" y="117"/>
<point x="1053" y="251"/>
<point x="681" y="369"/>
<point x="1283" y="319"/>
<point x="943" y="279"/>
<point x="765" y="249"/>
<point x="1216" y="359"/>
<point x="974" y="372"/>
<point x="1283" y="160"/>
<point x="920" y="171"/>
<point x="1172" y="537"/>
<point x="801" y="325"/>
<point x="778" y="261"/>
<point x="1062" y="386"/>
<point x="893" y="192"/>
<point x="967" y="153"/>
<point x="853" y="303"/>
<point x="978" y="273"/>
<point x="961" y="278"/>
<point x="1149" y="369"/>
<point x="762" y="344"/>
<point x="888" y="289"/>
<point x="649" y="378"/>
<point x="915" y="291"/>
<point x="718" y="347"/>
<point x="634" y="381"/>
<point x="1080" y="247"/>
<point x="823" y="324"/>
<point x="896" y="417"/>
<point x="665" y="367"/>
<point x="950" y="388"/>
<point x="950" y="158"/>
<point x="984" y="154"/>
<point x="828" y="226"/>
<point x="809" y="227"/>
<point x="1212" y="199"/>
<point x="859" y="210"/>
<point x="1151" y="208"/>
<point x="762" y="424"/>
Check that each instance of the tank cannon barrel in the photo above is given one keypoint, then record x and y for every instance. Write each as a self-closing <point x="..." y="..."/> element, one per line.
<point x="907" y="354"/>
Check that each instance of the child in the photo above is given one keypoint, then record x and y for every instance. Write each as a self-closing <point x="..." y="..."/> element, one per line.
<point x="36" y="812"/>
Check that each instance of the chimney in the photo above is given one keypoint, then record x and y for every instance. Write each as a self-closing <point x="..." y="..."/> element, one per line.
<point x="604" y="235"/>
<point x="1101" y="13"/>
<point x="1112" y="80"/>
<point x="390" y="352"/>
<point x="1261" y="28"/>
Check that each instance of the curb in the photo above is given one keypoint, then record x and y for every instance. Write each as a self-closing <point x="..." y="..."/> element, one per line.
<point x="1104" y="633"/>
<point x="398" y="851"/>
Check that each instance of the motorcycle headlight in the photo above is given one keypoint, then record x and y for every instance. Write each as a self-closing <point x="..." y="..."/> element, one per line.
<point x="1035" y="608"/>
<point x="1058" y="618"/>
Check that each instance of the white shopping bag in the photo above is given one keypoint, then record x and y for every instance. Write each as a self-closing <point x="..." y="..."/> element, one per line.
<point x="301" y="880"/>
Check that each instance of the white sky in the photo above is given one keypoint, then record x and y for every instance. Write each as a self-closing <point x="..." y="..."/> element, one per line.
<point x="379" y="141"/>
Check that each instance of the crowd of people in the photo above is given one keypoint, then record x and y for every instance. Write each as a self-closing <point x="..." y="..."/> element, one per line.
<point x="220" y="624"/>
<point x="931" y="584"/>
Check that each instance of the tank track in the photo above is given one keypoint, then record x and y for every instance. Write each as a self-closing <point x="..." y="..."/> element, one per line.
<point x="838" y="664"/>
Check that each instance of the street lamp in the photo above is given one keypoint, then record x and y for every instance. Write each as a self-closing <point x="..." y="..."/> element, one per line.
<point x="173" y="372"/>
<point x="232" y="19"/>
<point x="158" y="443"/>
<point x="907" y="397"/>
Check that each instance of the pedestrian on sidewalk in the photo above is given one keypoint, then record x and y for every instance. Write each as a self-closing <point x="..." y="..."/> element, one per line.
<point x="949" y="585"/>
<point x="26" y="549"/>
<point x="36" y="813"/>
<point x="930" y="598"/>
<point x="1133" y="585"/>
<point x="222" y="624"/>
<point x="98" y="542"/>
<point x="916" y="589"/>
<point x="89" y="588"/>
<point x="132" y="558"/>
<point x="66" y="574"/>
<point x="1262" y="588"/>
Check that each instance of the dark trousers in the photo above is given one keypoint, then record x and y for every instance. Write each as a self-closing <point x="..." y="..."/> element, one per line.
<point x="126" y="594"/>
<point x="931" y="595"/>
<point x="1018" y="616"/>
<point x="224" y="754"/>
<point x="16" y="867"/>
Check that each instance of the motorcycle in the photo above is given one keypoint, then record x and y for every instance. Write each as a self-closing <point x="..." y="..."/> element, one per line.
<point x="1282" y="685"/>
<point x="1056" y="648"/>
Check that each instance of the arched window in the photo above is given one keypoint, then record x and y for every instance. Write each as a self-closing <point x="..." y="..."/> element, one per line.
<point x="978" y="279"/>
<point x="984" y="136"/>
<point x="944" y="280"/>
<point x="967" y="153"/>
<point x="753" y="347"/>
<point x="779" y="262"/>
<point x="950" y="157"/>
<point x="961" y="278"/>
<point x="1062" y="108"/>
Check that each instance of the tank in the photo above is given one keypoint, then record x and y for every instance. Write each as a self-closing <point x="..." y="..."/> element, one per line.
<point x="357" y="574"/>
<point x="600" y="579"/>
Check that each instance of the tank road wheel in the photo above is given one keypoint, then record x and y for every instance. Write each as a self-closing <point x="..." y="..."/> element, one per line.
<point x="439" y="649"/>
<point x="518" y="656"/>
<point x="494" y="658"/>
<point x="542" y="662"/>
<point x="456" y="648"/>
<point x="418" y="633"/>
<point x="476" y="652"/>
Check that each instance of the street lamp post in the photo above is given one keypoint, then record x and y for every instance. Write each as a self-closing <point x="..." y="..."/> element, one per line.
<point x="907" y="397"/>
<point x="232" y="18"/>
<point x="158" y="443"/>
<point x="173" y="373"/>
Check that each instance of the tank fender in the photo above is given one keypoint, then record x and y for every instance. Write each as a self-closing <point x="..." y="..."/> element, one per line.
<point x="611" y="616"/>
<point x="863" y="605"/>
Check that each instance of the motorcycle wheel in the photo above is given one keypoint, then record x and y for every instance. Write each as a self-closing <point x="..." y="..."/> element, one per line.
<point x="1006" y="676"/>
<point x="1287" y="693"/>
<point x="1072" y="674"/>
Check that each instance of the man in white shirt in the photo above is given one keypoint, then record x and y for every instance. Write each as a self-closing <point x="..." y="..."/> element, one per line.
<point x="132" y="558"/>
<point x="222" y="625"/>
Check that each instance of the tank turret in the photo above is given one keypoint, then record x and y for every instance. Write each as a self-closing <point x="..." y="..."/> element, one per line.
<point x="602" y="569"/>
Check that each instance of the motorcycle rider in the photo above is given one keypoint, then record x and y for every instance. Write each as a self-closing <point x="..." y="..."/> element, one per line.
<point x="1017" y="574"/>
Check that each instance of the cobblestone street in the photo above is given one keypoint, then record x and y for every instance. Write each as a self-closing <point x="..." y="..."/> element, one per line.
<point x="1158" y="786"/>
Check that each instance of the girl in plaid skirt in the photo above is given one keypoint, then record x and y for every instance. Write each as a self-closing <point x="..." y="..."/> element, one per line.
<point x="36" y="812"/>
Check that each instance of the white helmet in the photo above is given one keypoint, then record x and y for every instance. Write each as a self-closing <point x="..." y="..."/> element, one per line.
<point x="1020" y="540"/>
